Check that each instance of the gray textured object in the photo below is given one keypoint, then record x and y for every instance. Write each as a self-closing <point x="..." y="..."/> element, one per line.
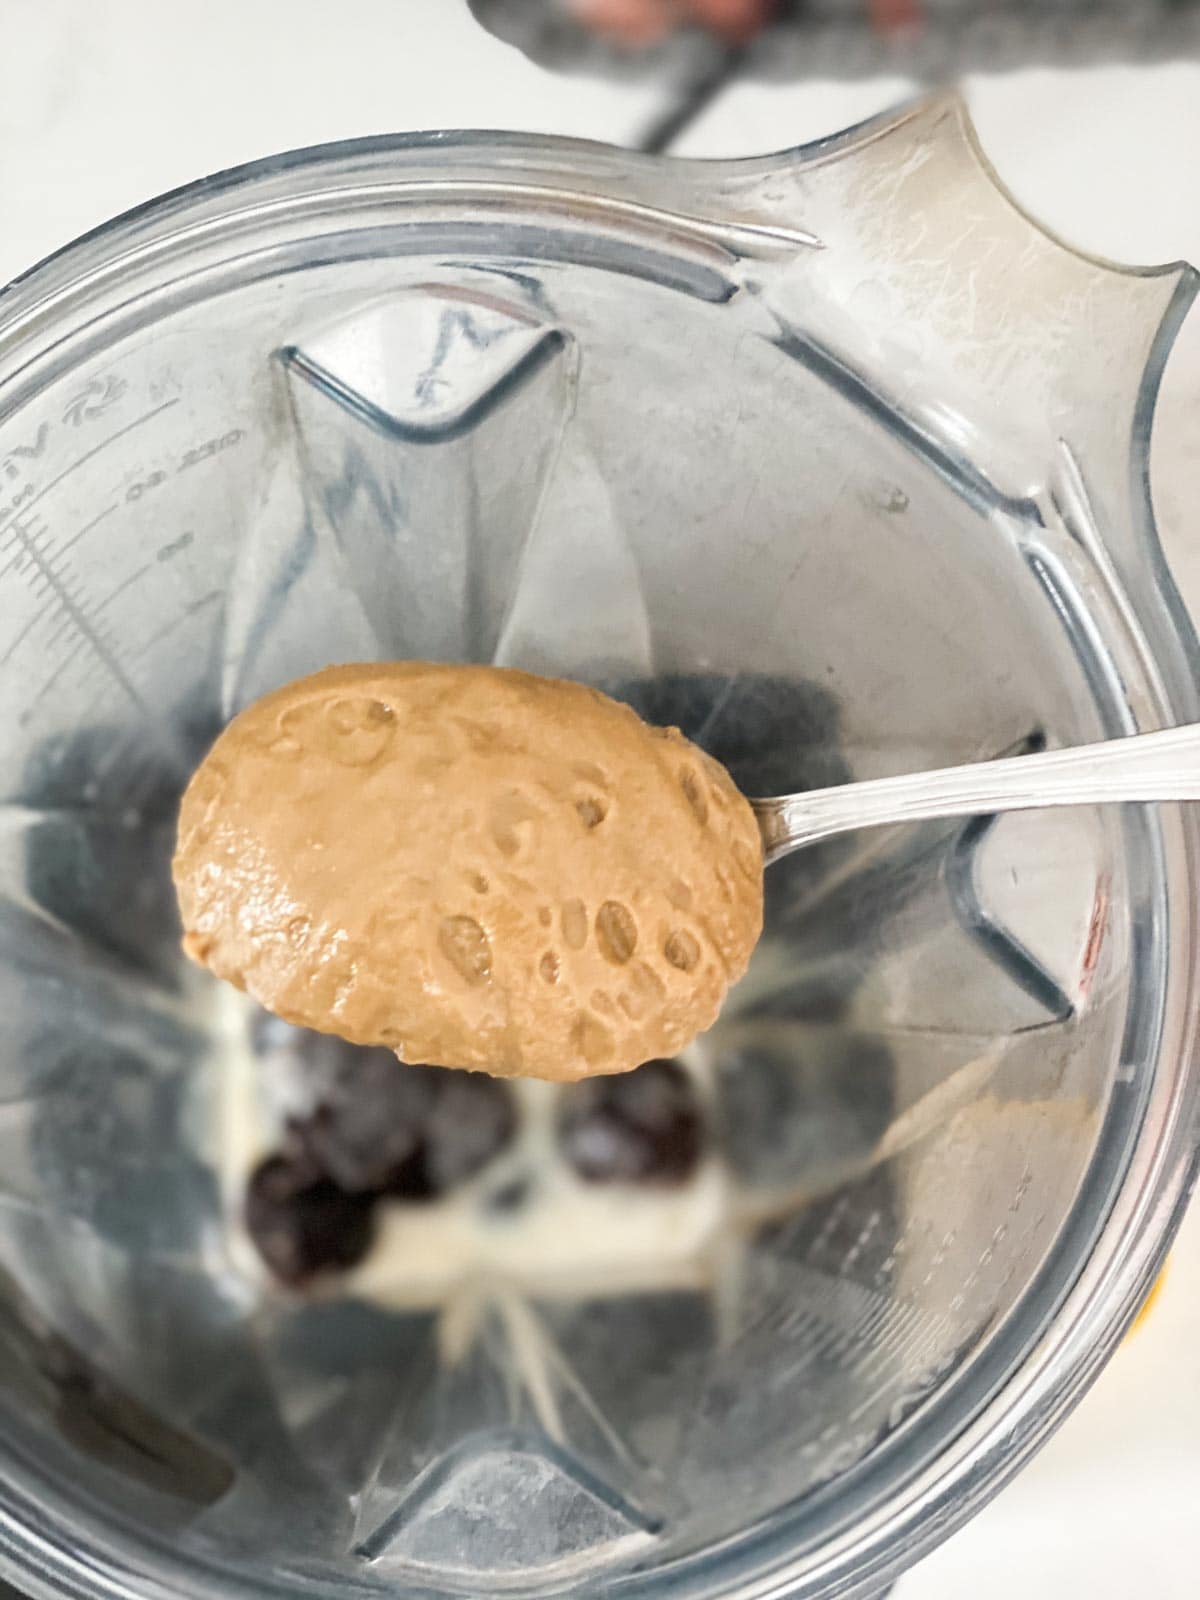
<point x="844" y="39"/>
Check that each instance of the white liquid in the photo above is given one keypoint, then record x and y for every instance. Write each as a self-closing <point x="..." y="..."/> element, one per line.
<point x="563" y="1239"/>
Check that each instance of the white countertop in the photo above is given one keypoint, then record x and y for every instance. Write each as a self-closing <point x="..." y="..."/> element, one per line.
<point x="106" y="104"/>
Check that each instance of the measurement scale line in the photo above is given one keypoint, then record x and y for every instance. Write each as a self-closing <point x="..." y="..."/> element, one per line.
<point x="103" y="605"/>
<point x="86" y="529"/>
<point x="169" y="627"/>
<point x="30" y="624"/>
<point x="64" y="626"/>
<point x="71" y="656"/>
<point x="14" y="563"/>
<point x="95" y="451"/>
<point x="53" y="572"/>
<point x="103" y="648"/>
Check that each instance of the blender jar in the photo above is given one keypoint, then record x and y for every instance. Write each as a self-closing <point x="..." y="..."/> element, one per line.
<point x="836" y="460"/>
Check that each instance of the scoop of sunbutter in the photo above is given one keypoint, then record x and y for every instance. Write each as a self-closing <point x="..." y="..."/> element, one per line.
<point x="475" y="867"/>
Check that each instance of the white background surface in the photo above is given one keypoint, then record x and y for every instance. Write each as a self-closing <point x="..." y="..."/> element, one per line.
<point x="106" y="102"/>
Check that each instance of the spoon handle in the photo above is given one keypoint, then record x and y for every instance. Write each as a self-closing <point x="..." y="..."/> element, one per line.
<point x="1144" y="766"/>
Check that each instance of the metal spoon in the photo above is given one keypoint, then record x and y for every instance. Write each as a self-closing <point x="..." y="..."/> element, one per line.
<point x="1144" y="766"/>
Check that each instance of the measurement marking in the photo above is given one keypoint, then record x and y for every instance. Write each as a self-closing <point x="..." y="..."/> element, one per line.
<point x="72" y="655"/>
<point x="87" y="528"/>
<point x="104" y="650"/>
<point x="96" y="449"/>
<point x="174" y="547"/>
<point x="202" y="604"/>
<point x="64" y="626"/>
<point x="16" y="561"/>
<point x="24" y="633"/>
<point x="31" y="548"/>
<point x="133" y="577"/>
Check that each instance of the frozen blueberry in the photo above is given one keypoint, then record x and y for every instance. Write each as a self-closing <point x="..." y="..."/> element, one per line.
<point x="302" y="1223"/>
<point x="474" y="1117"/>
<point x="369" y="1136"/>
<point x="644" y="1126"/>
<point x="412" y="1132"/>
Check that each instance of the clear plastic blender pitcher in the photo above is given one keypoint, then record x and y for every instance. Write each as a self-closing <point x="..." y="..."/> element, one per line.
<point x="835" y="460"/>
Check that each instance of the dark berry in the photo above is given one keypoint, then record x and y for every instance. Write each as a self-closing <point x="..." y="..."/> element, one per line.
<point x="412" y="1132"/>
<point x="473" y="1118"/>
<point x="369" y="1135"/>
<point x="302" y="1223"/>
<point x="644" y="1126"/>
